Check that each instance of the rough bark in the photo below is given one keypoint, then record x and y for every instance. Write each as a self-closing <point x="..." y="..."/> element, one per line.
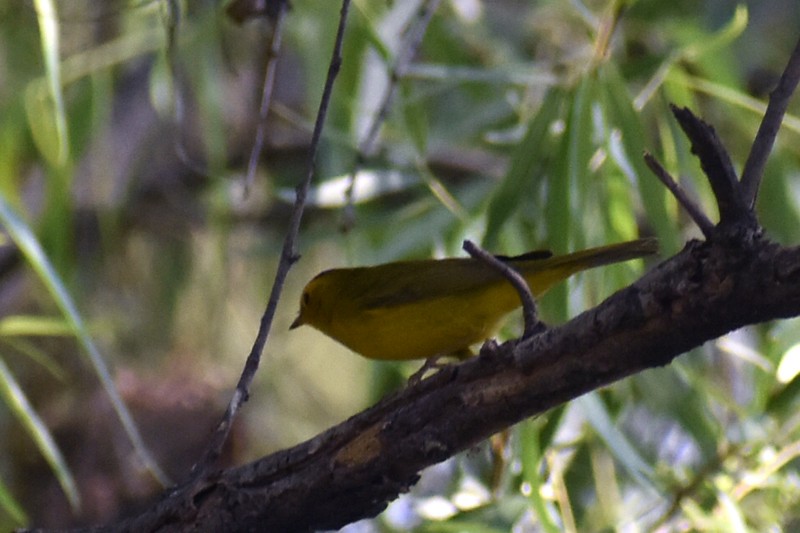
<point x="355" y="469"/>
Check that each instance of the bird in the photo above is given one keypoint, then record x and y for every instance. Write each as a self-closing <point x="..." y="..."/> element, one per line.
<point x="422" y="309"/>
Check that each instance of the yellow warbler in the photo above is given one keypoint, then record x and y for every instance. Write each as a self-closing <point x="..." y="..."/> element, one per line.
<point x="422" y="309"/>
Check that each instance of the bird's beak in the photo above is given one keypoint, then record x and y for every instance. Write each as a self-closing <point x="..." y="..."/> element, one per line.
<point x="297" y="322"/>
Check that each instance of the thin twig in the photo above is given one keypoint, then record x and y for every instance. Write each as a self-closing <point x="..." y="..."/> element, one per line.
<point x="516" y="280"/>
<point x="691" y="207"/>
<point x="288" y="257"/>
<point x="266" y="95"/>
<point x="398" y="70"/>
<point x="765" y="138"/>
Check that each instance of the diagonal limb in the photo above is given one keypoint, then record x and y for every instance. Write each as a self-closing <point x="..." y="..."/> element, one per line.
<point x="691" y="207"/>
<point x="762" y="145"/>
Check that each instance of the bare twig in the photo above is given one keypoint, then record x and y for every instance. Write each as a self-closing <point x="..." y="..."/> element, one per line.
<point x="516" y="280"/>
<point x="288" y="257"/>
<point x="398" y="70"/>
<point x="765" y="138"/>
<point x="266" y="95"/>
<point x="718" y="168"/>
<point x="691" y="207"/>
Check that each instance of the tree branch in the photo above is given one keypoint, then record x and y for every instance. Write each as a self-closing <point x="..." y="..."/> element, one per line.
<point x="355" y="469"/>
<point x="691" y="207"/>
<point x="762" y="145"/>
<point x="717" y="166"/>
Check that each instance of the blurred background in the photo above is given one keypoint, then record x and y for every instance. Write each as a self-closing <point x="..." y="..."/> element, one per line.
<point x="132" y="236"/>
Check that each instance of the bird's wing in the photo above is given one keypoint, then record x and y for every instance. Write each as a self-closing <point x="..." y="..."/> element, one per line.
<point x="407" y="282"/>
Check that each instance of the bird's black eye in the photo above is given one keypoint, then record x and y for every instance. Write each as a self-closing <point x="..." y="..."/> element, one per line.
<point x="306" y="297"/>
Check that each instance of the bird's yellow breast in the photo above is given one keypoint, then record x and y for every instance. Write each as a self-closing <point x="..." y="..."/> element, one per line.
<point x="425" y="328"/>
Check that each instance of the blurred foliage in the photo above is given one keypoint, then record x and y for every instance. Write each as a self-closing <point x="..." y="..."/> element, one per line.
<point x="517" y="124"/>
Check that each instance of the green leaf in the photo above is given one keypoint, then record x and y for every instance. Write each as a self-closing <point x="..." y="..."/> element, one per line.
<point x="529" y="163"/>
<point x="33" y="325"/>
<point x="41" y="102"/>
<point x="666" y="393"/>
<point x="18" y="403"/>
<point x="37" y="355"/>
<point x="738" y="98"/>
<point x="27" y="243"/>
<point x="10" y="505"/>
<point x="568" y="179"/>
<point x="784" y="400"/>
<point x="618" y="444"/>
<point x="619" y="103"/>
<point x="531" y="454"/>
<point x="416" y="120"/>
<point x="563" y="190"/>
<point x="365" y="25"/>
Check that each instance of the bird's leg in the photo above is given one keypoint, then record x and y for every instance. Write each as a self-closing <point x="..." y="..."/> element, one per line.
<point x="434" y="363"/>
